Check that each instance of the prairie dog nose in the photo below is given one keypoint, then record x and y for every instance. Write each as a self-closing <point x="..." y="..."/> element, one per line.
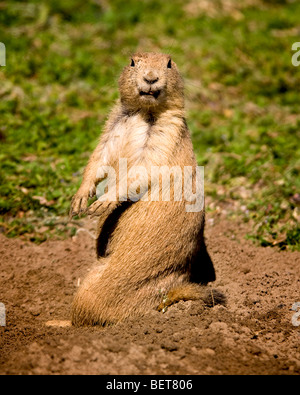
<point x="150" y="77"/>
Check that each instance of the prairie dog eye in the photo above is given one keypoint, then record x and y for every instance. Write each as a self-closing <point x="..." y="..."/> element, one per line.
<point x="169" y="65"/>
<point x="132" y="64"/>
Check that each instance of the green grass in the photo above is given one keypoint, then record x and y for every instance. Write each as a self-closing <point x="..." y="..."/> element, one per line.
<point x="242" y="98"/>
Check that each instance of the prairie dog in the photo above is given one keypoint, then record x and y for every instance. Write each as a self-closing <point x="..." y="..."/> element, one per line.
<point x="150" y="253"/>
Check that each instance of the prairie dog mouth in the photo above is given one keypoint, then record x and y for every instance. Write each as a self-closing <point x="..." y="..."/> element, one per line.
<point x="154" y="94"/>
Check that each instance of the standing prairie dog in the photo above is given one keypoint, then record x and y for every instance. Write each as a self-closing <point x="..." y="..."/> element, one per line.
<point x="151" y="254"/>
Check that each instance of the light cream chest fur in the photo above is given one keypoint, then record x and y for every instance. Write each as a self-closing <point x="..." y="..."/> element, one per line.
<point x="140" y="142"/>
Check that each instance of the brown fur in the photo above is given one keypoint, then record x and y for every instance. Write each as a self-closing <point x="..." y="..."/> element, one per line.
<point x="150" y="252"/>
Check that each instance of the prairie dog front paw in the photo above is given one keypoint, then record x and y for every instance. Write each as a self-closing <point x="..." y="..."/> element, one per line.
<point x="80" y="200"/>
<point x="101" y="208"/>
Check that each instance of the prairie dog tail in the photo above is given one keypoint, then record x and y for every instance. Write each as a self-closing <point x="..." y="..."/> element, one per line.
<point x="192" y="291"/>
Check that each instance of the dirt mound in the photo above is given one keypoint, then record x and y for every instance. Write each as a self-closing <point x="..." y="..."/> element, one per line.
<point x="253" y="334"/>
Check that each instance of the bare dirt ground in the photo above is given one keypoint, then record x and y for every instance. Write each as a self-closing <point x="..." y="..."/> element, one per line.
<point x="253" y="334"/>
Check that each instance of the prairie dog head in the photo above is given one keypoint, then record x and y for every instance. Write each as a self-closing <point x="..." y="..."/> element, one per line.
<point x="151" y="82"/>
